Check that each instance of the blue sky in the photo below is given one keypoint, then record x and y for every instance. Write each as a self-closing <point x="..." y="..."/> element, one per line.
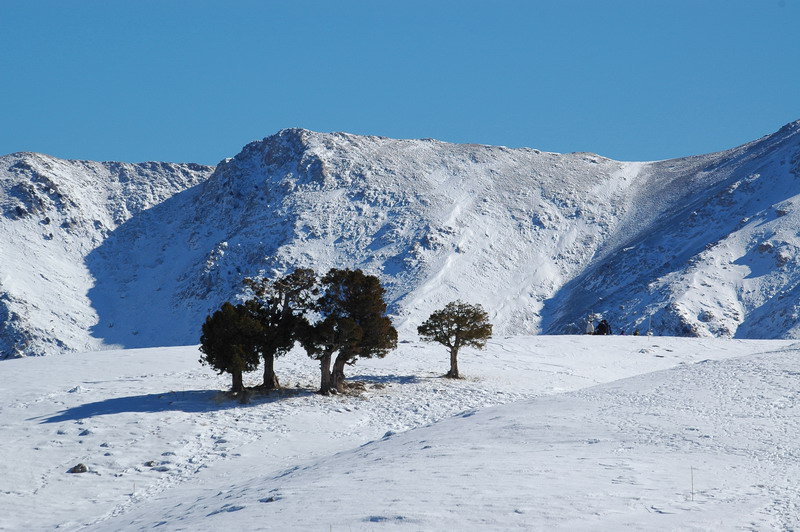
<point x="195" y="80"/>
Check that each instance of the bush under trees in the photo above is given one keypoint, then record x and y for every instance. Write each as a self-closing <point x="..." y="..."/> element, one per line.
<point x="458" y="324"/>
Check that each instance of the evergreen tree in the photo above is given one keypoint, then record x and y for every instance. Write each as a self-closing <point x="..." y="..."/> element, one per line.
<point x="323" y="339"/>
<point x="281" y="304"/>
<point x="352" y="324"/>
<point x="230" y="341"/>
<point x="457" y="324"/>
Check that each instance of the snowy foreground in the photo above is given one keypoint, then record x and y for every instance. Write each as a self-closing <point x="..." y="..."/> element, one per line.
<point x="545" y="433"/>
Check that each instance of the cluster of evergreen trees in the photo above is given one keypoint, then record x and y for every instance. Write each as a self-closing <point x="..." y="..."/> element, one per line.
<point x="337" y="318"/>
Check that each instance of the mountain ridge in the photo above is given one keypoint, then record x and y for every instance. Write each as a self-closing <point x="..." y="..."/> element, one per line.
<point x="540" y="239"/>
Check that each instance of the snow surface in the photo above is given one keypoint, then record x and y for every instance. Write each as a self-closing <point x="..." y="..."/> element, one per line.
<point x="107" y="254"/>
<point x="545" y="433"/>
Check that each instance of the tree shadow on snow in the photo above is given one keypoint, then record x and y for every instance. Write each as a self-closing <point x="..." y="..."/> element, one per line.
<point x="190" y="401"/>
<point x="387" y="379"/>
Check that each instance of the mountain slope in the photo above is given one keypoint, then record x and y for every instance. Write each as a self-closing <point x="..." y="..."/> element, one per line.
<point x="696" y="246"/>
<point x="53" y="213"/>
<point x="432" y="219"/>
<point x="722" y="261"/>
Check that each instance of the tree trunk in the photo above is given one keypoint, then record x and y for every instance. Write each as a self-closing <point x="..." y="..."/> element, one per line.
<point x="270" y="379"/>
<point x="238" y="382"/>
<point x="338" y="372"/>
<point x="453" y="373"/>
<point x="325" y="384"/>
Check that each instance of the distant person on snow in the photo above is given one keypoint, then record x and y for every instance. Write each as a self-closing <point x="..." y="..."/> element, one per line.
<point x="603" y="328"/>
<point x="590" y="326"/>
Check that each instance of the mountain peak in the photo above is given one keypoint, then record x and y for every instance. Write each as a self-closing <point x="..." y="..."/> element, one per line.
<point x="791" y="128"/>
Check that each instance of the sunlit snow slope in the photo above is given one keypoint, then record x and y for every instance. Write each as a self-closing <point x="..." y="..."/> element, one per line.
<point x="701" y="246"/>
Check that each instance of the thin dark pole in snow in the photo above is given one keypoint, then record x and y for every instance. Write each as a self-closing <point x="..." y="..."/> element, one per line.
<point x="691" y="468"/>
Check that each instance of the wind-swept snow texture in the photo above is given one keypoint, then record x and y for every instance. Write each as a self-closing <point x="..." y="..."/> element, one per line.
<point x="701" y="246"/>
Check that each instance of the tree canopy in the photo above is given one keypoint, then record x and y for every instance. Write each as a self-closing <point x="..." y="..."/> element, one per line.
<point x="230" y="341"/>
<point x="351" y="324"/>
<point x="280" y="305"/>
<point x="343" y="314"/>
<point x="458" y="324"/>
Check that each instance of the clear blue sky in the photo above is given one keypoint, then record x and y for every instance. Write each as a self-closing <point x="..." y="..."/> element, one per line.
<point x="195" y="80"/>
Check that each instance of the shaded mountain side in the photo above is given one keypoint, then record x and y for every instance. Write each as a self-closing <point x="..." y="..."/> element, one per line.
<point x="430" y="218"/>
<point x="511" y="229"/>
<point x="53" y="212"/>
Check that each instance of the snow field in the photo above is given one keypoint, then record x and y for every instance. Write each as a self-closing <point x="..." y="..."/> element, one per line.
<point x="590" y="435"/>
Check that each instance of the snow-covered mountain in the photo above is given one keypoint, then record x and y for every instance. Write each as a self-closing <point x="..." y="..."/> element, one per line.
<point x="710" y="248"/>
<point x="53" y="213"/>
<point x="702" y="246"/>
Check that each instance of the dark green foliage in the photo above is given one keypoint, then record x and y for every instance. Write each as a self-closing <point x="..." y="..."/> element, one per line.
<point x="280" y="306"/>
<point x="352" y="324"/>
<point x="349" y="322"/>
<point x="230" y="341"/>
<point x="323" y="339"/>
<point x="350" y="294"/>
<point x="457" y="324"/>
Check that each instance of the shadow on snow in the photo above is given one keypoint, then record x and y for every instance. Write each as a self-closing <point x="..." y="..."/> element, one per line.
<point x="384" y="379"/>
<point x="190" y="401"/>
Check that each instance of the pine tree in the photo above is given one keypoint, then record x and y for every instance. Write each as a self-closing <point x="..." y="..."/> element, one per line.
<point x="323" y="339"/>
<point x="352" y="324"/>
<point x="458" y="324"/>
<point x="230" y="341"/>
<point x="281" y="304"/>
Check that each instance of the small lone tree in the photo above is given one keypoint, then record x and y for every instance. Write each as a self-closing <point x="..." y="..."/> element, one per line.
<point x="230" y="341"/>
<point x="457" y="324"/>
<point x="280" y="305"/>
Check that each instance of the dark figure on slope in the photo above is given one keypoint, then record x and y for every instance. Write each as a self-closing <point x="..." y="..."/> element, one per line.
<point x="603" y="328"/>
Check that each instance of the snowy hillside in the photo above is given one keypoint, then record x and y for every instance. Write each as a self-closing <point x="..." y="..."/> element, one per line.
<point x="722" y="260"/>
<point x="435" y="221"/>
<point x="545" y="433"/>
<point x="701" y="246"/>
<point x="53" y="213"/>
